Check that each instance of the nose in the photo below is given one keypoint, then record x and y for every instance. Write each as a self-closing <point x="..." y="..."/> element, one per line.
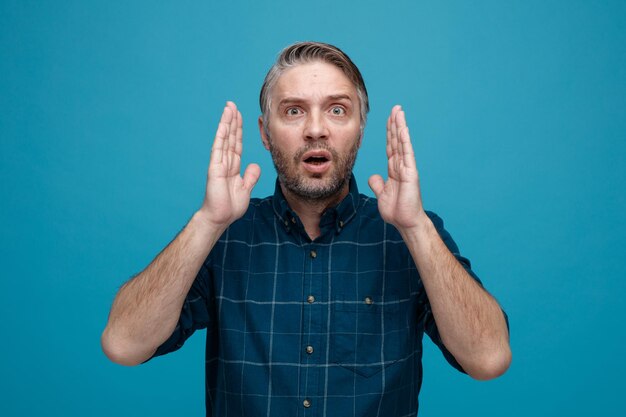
<point x="315" y="127"/>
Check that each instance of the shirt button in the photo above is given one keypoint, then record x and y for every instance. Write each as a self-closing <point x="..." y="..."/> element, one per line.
<point x="313" y="254"/>
<point x="310" y="299"/>
<point x="340" y="223"/>
<point x="286" y="222"/>
<point x="306" y="403"/>
<point x="368" y="300"/>
<point x="293" y="220"/>
<point x="309" y="349"/>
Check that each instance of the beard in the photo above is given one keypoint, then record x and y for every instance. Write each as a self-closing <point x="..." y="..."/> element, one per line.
<point x="314" y="188"/>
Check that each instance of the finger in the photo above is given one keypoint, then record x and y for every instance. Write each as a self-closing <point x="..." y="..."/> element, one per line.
<point x="393" y="132"/>
<point x="251" y="176"/>
<point x="389" y="150"/>
<point x="234" y="153"/>
<point x="377" y="184"/>
<point x="239" y="135"/>
<point x="404" y="138"/>
<point x="408" y="156"/>
<point x="400" y="126"/>
<point x="233" y="168"/>
<point x="228" y="122"/>
<point x="393" y="165"/>
<point x="232" y="137"/>
<point x="221" y="135"/>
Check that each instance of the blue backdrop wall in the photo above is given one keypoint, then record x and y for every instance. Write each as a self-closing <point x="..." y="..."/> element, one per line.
<point x="518" y="114"/>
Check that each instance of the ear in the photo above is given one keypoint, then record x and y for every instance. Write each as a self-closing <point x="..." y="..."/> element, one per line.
<point x="264" y="137"/>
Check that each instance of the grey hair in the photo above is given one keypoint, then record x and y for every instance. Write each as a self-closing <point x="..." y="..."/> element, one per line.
<point x="304" y="53"/>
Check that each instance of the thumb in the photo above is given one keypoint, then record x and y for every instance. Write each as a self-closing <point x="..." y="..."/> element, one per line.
<point x="251" y="176"/>
<point x="377" y="184"/>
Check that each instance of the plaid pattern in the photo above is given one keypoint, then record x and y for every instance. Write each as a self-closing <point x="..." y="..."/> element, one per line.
<point x="331" y="327"/>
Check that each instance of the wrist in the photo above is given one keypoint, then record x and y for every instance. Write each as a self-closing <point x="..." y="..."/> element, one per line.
<point x="420" y="230"/>
<point x="205" y="226"/>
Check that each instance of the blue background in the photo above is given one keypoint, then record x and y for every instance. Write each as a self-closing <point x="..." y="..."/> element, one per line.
<point x="518" y="116"/>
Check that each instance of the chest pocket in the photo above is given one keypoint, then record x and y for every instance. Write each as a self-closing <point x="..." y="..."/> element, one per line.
<point x="368" y="334"/>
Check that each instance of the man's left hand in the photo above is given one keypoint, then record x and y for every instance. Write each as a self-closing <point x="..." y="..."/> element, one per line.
<point x="399" y="199"/>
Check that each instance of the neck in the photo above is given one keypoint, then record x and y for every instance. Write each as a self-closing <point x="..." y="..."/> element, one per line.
<point x="310" y="210"/>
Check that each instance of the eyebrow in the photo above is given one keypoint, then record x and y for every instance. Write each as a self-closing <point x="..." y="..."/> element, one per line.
<point x="340" y="97"/>
<point x="332" y="97"/>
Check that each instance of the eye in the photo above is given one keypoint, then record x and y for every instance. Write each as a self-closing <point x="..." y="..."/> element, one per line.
<point x="293" y="111"/>
<point x="338" y="111"/>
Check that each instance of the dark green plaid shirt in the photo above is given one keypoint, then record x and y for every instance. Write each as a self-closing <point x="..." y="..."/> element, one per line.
<point x="330" y="327"/>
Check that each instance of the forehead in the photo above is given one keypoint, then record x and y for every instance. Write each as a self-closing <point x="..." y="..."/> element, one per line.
<point x="313" y="80"/>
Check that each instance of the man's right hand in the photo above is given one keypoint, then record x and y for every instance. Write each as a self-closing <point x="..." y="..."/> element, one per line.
<point x="227" y="193"/>
<point x="147" y="308"/>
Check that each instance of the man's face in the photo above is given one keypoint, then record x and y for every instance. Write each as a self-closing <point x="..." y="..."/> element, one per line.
<point x="314" y="130"/>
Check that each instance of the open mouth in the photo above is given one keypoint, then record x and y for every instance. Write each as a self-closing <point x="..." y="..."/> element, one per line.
<point x="317" y="160"/>
<point x="316" y="156"/>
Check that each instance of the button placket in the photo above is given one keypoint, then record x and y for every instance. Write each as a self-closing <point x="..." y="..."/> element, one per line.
<point x="314" y="294"/>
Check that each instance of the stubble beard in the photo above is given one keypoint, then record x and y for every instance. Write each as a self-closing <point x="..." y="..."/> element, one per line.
<point x="309" y="189"/>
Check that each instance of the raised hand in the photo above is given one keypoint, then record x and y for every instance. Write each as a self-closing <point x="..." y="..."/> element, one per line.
<point x="227" y="193"/>
<point x="399" y="199"/>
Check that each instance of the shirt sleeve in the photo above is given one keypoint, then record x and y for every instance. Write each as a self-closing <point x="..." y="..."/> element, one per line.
<point x="430" y="326"/>
<point x="195" y="314"/>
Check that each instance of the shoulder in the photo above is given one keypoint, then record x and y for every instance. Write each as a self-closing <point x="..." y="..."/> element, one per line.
<point x="258" y="207"/>
<point x="434" y="217"/>
<point x="260" y="211"/>
<point x="370" y="225"/>
<point x="368" y="206"/>
<point x="369" y="218"/>
<point x="257" y="220"/>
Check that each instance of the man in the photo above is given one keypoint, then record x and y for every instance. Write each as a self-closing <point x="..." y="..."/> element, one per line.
<point x="315" y="299"/>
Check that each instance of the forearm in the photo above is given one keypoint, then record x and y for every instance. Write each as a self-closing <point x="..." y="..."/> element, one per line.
<point x="147" y="308"/>
<point x="470" y="321"/>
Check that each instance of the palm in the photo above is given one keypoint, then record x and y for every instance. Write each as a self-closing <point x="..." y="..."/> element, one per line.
<point x="227" y="192"/>
<point x="399" y="200"/>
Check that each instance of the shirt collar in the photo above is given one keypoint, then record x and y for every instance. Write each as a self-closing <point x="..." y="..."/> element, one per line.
<point x="338" y="216"/>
